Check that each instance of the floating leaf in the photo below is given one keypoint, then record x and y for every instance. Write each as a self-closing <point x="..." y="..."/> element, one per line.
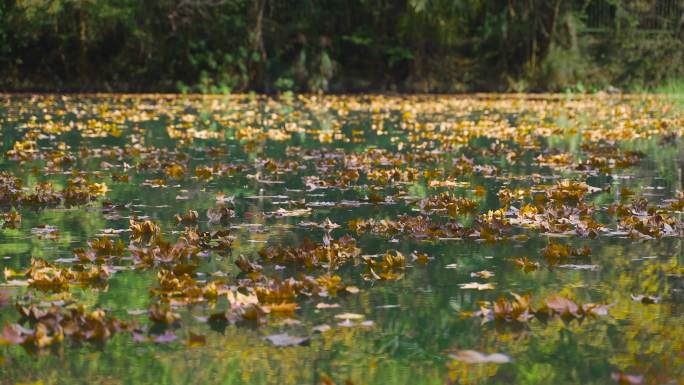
<point x="285" y="339"/>
<point x="477" y="286"/>
<point x="475" y="357"/>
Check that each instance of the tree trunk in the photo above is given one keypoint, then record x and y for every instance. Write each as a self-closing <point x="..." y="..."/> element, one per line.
<point x="257" y="46"/>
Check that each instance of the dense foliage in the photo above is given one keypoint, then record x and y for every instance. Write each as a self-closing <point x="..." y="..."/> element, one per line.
<point x="337" y="46"/>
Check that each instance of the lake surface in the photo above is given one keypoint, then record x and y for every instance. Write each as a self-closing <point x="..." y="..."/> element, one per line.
<point x="377" y="234"/>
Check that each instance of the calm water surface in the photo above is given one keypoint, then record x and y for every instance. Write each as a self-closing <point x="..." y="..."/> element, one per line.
<point x="418" y="321"/>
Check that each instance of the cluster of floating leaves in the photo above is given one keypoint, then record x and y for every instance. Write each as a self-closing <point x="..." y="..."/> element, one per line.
<point x="520" y="310"/>
<point x="426" y="185"/>
<point x="78" y="191"/>
<point x="46" y="327"/>
<point x="45" y="276"/>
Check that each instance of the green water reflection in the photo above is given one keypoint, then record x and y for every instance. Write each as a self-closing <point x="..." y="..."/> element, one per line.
<point x="410" y="340"/>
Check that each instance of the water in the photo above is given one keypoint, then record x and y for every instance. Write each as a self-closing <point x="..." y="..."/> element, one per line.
<point x="420" y="321"/>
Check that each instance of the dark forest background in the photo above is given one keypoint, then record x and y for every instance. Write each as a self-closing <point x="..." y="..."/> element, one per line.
<point x="340" y="45"/>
